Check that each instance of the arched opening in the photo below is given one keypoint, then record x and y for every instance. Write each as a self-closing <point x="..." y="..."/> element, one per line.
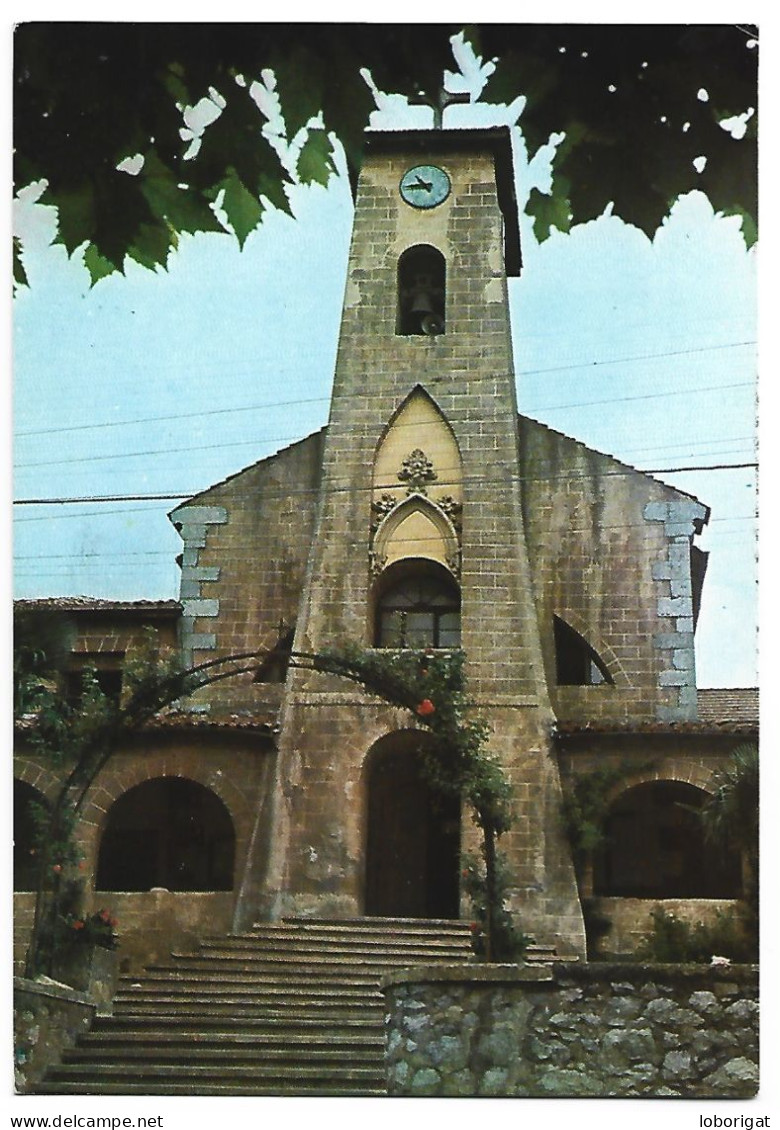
<point x="26" y="800"/>
<point x="168" y="832"/>
<point x="656" y="847"/>
<point x="422" y="274"/>
<point x="413" y="837"/>
<point x="417" y="606"/>
<point x="577" y="664"/>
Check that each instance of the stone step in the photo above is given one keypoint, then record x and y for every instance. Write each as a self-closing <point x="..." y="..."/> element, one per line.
<point x="309" y="1026"/>
<point x="289" y="1008"/>
<point x="273" y="1072"/>
<point x="257" y="996"/>
<point x="266" y="974"/>
<point x="233" y="1036"/>
<point x="336" y="942"/>
<point x="227" y="1051"/>
<point x="287" y="1089"/>
<point x="281" y="1011"/>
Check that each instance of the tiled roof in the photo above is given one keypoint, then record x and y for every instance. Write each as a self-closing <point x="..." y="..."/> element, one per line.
<point x="96" y="604"/>
<point x="197" y="720"/>
<point x="265" y="722"/>
<point x="729" y="704"/>
<point x="721" y="711"/>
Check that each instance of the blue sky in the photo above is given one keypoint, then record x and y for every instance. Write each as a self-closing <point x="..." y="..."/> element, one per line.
<point x="168" y="382"/>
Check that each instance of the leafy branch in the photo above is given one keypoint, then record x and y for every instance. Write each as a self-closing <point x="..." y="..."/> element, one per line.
<point x="81" y="738"/>
<point x="625" y="99"/>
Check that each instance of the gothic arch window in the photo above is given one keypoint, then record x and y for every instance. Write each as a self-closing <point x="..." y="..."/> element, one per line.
<point x="422" y="273"/>
<point x="577" y="664"/>
<point x="655" y="847"/>
<point x="417" y="606"/>
<point x="168" y="832"/>
<point x="25" y="800"/>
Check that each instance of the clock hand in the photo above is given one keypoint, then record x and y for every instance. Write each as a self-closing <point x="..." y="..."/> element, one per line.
<point x="420" y="183"/>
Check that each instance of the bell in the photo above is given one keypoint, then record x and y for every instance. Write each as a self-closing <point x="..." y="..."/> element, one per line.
<point x="432" y="324"/>
<point x="423" y="306"/>
<point x="422" y="302"/>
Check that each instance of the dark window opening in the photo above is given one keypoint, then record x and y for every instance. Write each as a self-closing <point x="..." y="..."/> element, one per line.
<point x="576" y="662"/>
<point x="170" y="832"/>
<point x="421" y="292"/>
<point x="26" y="800"/>
<point x="107" y="669"/>
<point x="420" y="610"/>
<point x="273" y="669"/>
<point x="656" y="847"/>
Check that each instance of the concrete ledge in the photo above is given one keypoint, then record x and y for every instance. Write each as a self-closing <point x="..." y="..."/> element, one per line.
<point x="476" y="974"/>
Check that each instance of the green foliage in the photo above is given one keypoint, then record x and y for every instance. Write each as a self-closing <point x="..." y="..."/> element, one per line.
<point x="507" y="942"/>
<point x="42" y="640"/>
<point x="432" y="685"/>
<point x="79" y="738"/>
<point x="586" y="804"/>
<point x="730" y="815"/>
<point x="671" y="939"/>
<point x="625" y="96"/>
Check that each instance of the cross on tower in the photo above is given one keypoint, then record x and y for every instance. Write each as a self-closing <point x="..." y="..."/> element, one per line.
<point x="444" y="99"/>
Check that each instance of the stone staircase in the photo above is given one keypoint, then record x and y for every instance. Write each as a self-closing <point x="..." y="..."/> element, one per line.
<point x="291" y="1008"/>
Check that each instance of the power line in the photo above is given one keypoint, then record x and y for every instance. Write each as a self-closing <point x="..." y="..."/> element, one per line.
<point x="94" y="559"/>
<point x="172" y="496"/>
<point x="114" y="456"/>
<point x="320" y="399"/>
<point x="638" y="357"/>
<point x="176" y="416"/>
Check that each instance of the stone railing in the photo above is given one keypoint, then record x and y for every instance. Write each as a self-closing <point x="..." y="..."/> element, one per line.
<point x="590" y="1030"/>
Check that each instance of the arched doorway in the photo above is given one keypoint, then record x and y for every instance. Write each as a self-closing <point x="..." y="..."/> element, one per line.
<point x="413" y="836"/>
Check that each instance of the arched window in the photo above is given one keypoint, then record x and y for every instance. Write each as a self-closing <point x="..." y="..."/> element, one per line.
<point x="577" y="664"/>
<point x="418" y="606"/>
<point x="422" y="274"/>
<point x="26" y="798"/>
<point x="169" y="832"/>
<point x="656" y="847"/>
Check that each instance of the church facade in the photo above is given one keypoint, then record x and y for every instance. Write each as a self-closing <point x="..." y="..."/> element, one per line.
<point x="427" y="514"/>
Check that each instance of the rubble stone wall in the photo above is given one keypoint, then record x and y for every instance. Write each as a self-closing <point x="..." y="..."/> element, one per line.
<point x="586" y="1031"/>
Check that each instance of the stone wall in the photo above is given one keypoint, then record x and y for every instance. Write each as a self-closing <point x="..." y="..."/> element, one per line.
<point x="47" y="1020"/>
<point x="571" y="1030"/>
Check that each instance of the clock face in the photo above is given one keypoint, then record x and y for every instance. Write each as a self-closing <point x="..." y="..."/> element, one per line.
<point x="425" y="186"/>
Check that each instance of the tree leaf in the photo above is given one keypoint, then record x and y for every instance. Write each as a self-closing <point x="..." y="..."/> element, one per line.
<point x="153" y="245"/>
<point x="184" y="209"/>
<point x="315" y="161"/>
<point x="243" y="210"/>
<point x="75" y="216"/>
<point x="299" y="84"/>
<point x="98" y="266"/>
<point x="548" y="212"/>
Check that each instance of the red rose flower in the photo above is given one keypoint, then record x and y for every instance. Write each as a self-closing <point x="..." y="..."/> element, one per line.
<point x="57" y="868"/>
<point x="78" y="925"/>
<point x="426" y="707"/>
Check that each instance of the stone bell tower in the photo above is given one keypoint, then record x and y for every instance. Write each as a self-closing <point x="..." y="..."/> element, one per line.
<point x="419" y="541"/>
